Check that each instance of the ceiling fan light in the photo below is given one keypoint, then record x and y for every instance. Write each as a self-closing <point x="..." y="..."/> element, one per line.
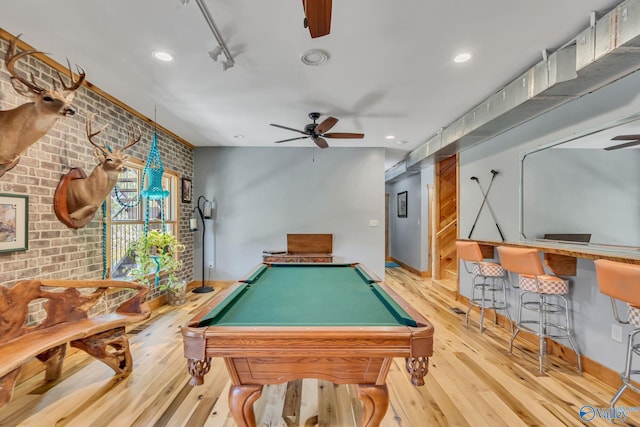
<point x="314" y="57"/>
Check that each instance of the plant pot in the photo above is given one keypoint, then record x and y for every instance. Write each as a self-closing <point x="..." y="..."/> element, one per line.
<point x="177" y="294"/>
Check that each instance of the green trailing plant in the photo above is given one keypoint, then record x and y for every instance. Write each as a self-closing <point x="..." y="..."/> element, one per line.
<point x="157" y="249"/>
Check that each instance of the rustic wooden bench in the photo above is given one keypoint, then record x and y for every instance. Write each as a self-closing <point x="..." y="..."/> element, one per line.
<point x="68" y="321"/>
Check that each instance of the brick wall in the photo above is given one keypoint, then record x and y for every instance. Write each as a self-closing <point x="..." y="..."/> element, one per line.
<point x="56" y="251"/>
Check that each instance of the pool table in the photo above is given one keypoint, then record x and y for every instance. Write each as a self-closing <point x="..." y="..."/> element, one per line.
<point x="283" y="322"/>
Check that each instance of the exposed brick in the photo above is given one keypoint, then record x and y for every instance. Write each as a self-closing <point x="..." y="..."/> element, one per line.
<point x="56" y="251"/>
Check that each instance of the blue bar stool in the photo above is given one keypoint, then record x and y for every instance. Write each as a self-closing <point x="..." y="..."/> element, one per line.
<point x="489" y="279"/>
<point x="621" y="281"/>
<point x="541" y="293"/>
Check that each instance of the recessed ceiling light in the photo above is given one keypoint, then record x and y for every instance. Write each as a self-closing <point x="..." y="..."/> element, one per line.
<point x="238" y="136"/>
<point x="390" y="137"/>
<point x="463" y="57"/>
<point x="314" y="57"/>
<point x="162" y="56"/>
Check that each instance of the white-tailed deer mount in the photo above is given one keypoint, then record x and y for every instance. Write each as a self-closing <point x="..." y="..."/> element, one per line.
<point x="26" y="124"/>
<point x="78" y="196"/>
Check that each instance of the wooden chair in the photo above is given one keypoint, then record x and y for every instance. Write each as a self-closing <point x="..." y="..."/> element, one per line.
<point x="621" y="281"/>
<point x="540" y="293"/>
<point x="485" y="277"/>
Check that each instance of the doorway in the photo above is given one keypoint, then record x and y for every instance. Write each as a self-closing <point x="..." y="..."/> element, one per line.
<point x="445" y="213"/>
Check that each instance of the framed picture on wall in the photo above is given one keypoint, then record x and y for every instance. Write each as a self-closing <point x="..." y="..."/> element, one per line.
<point x="186" y="190"/>
<point x="402" y="204"/>
<point x="14" y="222"/>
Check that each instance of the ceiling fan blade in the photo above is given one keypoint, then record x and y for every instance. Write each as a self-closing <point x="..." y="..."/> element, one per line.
<point x="325" y="125"/>
<point x="625" y="145"/>
<point x="287" y="128"/>
<point x="625" y="137"/>
<point x="291" y="139"/>
<point x="321" y="142"/>
<point x="343" y="135"/>
<point x="318" y="14"/>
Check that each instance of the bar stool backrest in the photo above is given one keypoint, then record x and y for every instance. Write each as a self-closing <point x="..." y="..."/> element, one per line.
<point x="521" y="260"/>
<point x="469" y="251"/>
<point x="619" y="280"/>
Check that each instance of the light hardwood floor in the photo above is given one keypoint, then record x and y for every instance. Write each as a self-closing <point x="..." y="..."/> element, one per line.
<point x="472" y="381"/>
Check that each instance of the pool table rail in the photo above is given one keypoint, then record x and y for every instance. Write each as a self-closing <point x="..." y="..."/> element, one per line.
<point x="201" y="343"/>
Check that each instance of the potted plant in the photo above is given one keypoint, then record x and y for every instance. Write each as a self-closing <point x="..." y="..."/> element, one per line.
<point x="156" y="253"/>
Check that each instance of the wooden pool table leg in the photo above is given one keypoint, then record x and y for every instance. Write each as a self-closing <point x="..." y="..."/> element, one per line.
<point x="241" y="398"/>
<point x="375" y="400"/>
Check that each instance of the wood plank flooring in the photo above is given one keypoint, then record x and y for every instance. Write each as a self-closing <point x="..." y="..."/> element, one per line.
<point x="472" y="381"/>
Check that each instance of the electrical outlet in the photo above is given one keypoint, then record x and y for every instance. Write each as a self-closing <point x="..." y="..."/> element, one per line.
<point x="210" y="264"/>
<point x="616" y="332"/>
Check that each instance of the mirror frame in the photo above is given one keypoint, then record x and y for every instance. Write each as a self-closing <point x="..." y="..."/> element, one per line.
<point x="578" y="135"/>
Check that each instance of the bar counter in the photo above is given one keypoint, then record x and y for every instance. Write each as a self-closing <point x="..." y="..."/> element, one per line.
<point x="561" y="257"/>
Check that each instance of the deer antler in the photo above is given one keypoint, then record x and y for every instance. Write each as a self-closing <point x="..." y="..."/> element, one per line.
<point x="91" y="134"/>
<point x="10" y="59"/>
<point x="75" y="84"/>
<point x="133" y="137"/>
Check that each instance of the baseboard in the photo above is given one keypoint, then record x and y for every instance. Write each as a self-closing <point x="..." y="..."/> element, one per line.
<point x="409" y="268"/>
<point x="589" y="366"/>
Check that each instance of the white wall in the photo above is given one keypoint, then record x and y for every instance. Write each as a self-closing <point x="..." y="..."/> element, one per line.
<point x="405" y="233"/>
<point x="264" y="193"/>
<point x="591" y="310"/>
<point x="409" y="237"/>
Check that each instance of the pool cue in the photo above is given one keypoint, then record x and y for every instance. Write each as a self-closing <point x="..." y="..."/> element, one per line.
<point x="486" y="198"/>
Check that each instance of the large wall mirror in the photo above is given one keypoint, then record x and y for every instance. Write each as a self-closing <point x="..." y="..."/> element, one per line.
<point x="585" y="189"/>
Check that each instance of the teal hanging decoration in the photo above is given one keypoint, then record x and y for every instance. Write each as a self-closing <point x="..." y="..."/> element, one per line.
<point x="104" y="239"/>
<point x="154" y="171"/>
<point x="152" y="176"/>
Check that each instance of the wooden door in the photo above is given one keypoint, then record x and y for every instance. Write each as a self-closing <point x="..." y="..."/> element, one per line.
<point x="445" y="261"/>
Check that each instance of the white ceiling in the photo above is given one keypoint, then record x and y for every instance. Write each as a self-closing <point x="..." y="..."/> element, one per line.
<point x="390" y="69"/>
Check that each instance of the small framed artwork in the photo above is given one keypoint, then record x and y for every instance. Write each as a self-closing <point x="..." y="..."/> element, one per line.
<point x="14" y="222"/>
<point x="402" y="204"/>
<point x="186" y="190"/>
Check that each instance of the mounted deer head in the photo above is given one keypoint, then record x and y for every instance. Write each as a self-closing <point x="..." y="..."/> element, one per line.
<point x="26" y="124"/>
<point x="78" y="196"/>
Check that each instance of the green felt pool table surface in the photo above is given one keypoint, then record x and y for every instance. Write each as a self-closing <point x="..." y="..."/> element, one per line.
<point x="308" y="295"/>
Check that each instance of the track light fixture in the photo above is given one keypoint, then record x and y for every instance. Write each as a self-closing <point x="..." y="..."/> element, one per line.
<point x="215" y="53"/>
<point x="222" y="47"/>
<point x="227" y="64"/>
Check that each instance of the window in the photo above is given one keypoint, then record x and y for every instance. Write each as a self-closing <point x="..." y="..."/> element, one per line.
<point x="126" y="216"/>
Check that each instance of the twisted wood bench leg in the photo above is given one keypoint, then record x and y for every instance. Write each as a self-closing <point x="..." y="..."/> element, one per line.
<point x="6" y="386"/>
<point x="110" y="347"/>
<point x="52" y="360"/>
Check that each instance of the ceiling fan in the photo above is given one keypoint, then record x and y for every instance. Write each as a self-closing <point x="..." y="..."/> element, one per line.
<point x="317" y="17"/>
<point x="633" y="140"/>
<point x="317" y="131"/>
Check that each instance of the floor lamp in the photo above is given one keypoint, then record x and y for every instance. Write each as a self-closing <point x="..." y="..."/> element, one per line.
<point x="205" y="212"/>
